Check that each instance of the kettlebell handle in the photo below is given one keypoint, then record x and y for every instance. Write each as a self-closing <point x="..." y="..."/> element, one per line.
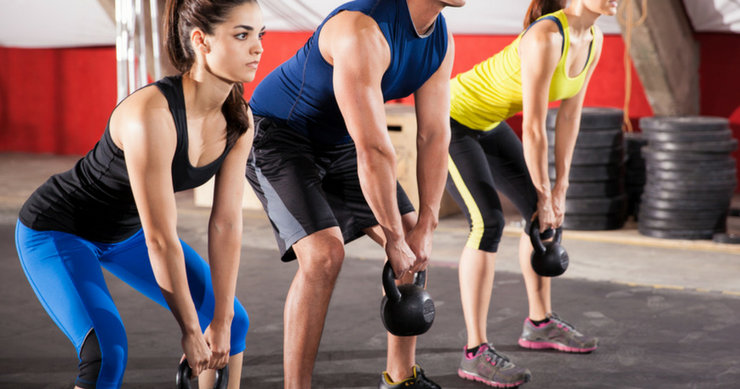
<point x="534" y="235"/>
<point x="182" y="380"/>
<point x="389" y="282"/>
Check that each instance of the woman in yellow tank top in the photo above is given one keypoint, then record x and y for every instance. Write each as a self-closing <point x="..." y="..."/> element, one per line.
<point x="552" y="60"/>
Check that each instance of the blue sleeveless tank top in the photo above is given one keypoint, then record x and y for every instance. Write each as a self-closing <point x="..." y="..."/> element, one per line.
<point x="94" y="200"/>
<point x="300" y="95"/>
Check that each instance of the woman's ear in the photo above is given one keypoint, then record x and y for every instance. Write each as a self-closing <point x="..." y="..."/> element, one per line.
<point x="199" y="42"/>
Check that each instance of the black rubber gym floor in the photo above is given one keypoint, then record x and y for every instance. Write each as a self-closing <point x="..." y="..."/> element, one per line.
<point x="649" y="337"/>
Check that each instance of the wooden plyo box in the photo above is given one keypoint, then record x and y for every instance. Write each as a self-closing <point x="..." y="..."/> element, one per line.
<point x="203" y="196"/>
<point x="401" y="121"/>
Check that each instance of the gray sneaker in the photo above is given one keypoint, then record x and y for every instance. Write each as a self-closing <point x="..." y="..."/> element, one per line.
<point x="491" y="368"/>
<point x="556" y="334"/>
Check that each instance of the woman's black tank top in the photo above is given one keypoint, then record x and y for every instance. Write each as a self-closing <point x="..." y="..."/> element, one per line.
<point x="94" y="201"/>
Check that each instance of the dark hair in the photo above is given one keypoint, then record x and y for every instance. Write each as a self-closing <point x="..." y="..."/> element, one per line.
<point x="542" y="7"/>
<point x="181" y="17"/>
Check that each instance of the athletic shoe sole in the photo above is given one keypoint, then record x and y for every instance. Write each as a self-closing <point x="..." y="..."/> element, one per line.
<point x="473" y="377"/>
<point x="557" y="346"/>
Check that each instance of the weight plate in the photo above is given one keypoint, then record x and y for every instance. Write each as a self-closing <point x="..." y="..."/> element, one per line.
<point x="665" y="214"/>
<point x="592" y="118"/>
<point x="717" y="147"/>
<point x="684" y="123"/>
<point x="687" y="185"/>
<point x="593" y="222"/>
<point x="726" y="238"/>
<point x="716" y="195"/>
<point x="684" y="205"/>
<point x="595" y="156"/>
<point x="651" y="154"/>
<point x="591" y="173"/>
<point x="596" y="205"/>
<point x="593" y="139"/>
<point x="687" y="136"/>
<point x="719" y="164"/>
<point x="687" y="224"/>
<point x="595" y="189"/>
<point x="676" y="175"/>
<point x="676" y="234"/>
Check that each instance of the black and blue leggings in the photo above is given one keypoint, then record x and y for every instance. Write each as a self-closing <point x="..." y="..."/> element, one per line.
<point x="480" y="164"/>
<point x="65" y="273"/>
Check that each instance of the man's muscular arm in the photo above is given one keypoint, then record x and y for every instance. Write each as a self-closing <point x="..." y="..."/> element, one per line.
<point x="432" y="142"/>
<point x="355" y="46"/>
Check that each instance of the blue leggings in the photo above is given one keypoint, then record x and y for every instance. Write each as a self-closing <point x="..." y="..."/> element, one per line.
<point x="65" y="272"/>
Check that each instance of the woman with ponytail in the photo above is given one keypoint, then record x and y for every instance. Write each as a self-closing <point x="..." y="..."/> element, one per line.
<point x="116" y="208"/>
<point x="552" y="60"/>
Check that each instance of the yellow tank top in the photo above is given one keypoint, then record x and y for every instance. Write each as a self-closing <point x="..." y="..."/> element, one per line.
<point x="492" y="91"/>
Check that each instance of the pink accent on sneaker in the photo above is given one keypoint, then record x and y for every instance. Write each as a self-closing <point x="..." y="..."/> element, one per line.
<point x="550" y="345"/>
<point x="467" y="376"/>
<point x="470" y="356"/>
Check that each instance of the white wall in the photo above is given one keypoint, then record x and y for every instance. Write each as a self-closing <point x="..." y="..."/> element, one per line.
<point x="69" y="23"/>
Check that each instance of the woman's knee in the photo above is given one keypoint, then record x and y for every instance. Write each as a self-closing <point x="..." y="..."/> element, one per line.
<point x="491" y="225"/>
<point x="239" y="328"/>
<point x="485" y="234"/>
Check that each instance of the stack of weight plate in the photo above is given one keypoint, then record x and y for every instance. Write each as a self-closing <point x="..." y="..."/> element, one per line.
<point x="634" y="172"/>
<point x="595" y="199"/>
<point x="690" y="177"/>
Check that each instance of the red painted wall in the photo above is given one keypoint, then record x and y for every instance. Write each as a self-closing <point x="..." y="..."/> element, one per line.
<point x="58" y="100"/>
<point x="55" y="101"/>
<point x="719" y="80"/>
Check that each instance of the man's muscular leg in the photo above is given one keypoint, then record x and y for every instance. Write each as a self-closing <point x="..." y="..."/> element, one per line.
<point x="320" y="256"/>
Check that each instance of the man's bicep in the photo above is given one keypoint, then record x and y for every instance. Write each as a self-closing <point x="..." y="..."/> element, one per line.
<point x="357" y="78"/>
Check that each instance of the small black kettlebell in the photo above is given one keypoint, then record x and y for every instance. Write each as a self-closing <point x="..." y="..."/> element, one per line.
<point x="549" y="259"/>
<point x="406" y="310"/>
<point x="182" y="379"/>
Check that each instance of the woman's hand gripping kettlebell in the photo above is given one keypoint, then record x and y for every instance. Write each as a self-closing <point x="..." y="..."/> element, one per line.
<point x="549" y="259"/>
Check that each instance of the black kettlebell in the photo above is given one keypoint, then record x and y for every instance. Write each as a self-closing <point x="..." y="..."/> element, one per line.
<point x="549" y="259"/>
<point x="406" y="310"/>
<point x="182" y="379"/>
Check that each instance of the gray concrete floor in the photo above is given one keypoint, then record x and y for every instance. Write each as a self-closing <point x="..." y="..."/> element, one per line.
<point x="667" y="312"/>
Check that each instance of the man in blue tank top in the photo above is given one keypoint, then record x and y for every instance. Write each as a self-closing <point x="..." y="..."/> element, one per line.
<point x="324" y="167"/>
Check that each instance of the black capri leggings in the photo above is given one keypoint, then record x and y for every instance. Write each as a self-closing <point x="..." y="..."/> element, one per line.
<point x="482" y="162"/>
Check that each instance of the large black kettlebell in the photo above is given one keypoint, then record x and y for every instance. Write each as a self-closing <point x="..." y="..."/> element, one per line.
<point x="407" y="309"/>
<point x="182" y="379"/>
<point x="549" y="259"/>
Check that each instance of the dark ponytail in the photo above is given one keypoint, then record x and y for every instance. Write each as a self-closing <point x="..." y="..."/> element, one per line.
<point x="235" y="112"/>
<point x="542" y="7"/>
<point x="181" y="17"/>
